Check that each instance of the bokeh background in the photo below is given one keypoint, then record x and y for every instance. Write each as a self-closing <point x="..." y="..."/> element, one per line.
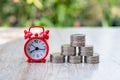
<point x="60" y="13"/>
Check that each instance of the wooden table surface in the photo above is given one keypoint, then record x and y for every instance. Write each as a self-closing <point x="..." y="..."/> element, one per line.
<point x="105" y="41"/>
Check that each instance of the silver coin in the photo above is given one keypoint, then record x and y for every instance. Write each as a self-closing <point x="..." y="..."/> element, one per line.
<point x="87" y="48"/>
<point x="77" y="37"/>
<point x="57" y="61"/>
<point x="77" y="44"/>
<point x="75" y="61"/>
<point x="93" y="59"/>
<point x="75" y="57"/>
<point x="78" y="41"/>
<point x="68" y="47"/>
<point x="57" y="57"/>
<point x="79" y="51"/>
<point x="67" y="50"/>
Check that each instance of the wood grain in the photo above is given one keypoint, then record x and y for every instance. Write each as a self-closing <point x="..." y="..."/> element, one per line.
<point x="105" y="41"/>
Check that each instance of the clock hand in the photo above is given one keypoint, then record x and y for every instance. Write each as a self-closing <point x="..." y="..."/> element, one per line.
<point x="33" y="45"/>
<point x="32" y="50"/>
<point x="36" y="48"/>
<point x="41" y="49"/>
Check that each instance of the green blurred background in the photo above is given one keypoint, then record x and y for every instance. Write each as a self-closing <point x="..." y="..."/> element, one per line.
<point x="60" y="13"/>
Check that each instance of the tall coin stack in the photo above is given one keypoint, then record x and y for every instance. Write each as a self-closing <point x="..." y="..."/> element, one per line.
<point x="76" y="52"/>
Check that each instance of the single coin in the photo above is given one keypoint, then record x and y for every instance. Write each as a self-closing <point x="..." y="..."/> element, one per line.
<point x="75" y="61"/>
<point x="77" y="44"/>
<point x="78" y="37"/>
<point x="75" y="57"/>
<point x="86" y="53"/>
<point x="67" y="50"/>
<point x="87" y="48"/>
<point x="57" y="61"/>
<point x="92" y="59"/>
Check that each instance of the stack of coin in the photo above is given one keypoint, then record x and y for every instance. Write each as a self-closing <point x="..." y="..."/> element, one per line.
<point x="76" y="52"/>
<point x="57" y="58"/>
<point x="86" y="51"/>
<point x="92" y="59"/>
<point x="75" y="59"/>
<point x="77" y="40"/>
<point x="67" y="50"/>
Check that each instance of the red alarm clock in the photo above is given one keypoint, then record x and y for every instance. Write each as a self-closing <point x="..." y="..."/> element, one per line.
<point x="36" y="47"/>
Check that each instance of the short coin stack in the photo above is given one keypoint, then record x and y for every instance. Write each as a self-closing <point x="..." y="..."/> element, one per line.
<point x="76" y="52"/>
<point x="57" y="58"/>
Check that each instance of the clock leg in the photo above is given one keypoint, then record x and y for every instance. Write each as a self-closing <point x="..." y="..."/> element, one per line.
<point x="44" y="60"/>
<point x="28" y="60"/>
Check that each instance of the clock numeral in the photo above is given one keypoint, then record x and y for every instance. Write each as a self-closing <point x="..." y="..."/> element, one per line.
<point x="28" y="49"/>
<point x="29" y="44"/>
<point x="42" y="43"/>
<point x="39" y="41"/>
<point x="41" y="54"/>
<point x="44" y="47"/>
<point x="36" y="41"/>
<point x="33" y="55"/>
<point x="30" y="52"/>
<point x="37" y="55"/>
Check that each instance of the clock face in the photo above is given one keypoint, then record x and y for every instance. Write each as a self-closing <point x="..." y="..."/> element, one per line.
<point x="36" y="49"/>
